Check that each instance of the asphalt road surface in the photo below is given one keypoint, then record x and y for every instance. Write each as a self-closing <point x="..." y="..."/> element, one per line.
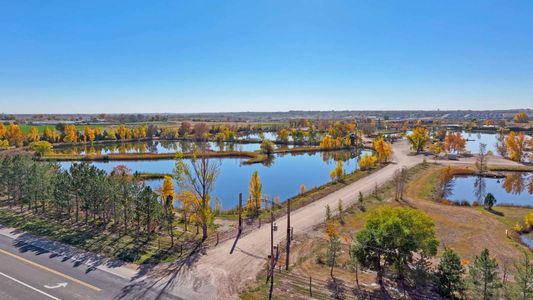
<point x="28" y="272"/>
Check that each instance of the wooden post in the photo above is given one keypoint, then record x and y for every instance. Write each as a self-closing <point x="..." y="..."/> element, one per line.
<point x="240" y="213"/>
<point x="310" y="285"/>
<point x="288" y="234"/>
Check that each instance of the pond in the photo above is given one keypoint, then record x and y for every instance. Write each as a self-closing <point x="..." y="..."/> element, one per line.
<point x="515" y="189"/>
<point x="282" y="178"/>
<point x="527" y="238"/>
<point x="473" y="139"/>
<point x="158" y="147"/>
<point x="268" y="135"/>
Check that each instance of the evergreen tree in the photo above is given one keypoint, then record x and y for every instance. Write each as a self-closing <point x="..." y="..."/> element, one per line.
<point x="489" y="201"/>
<point x="523" y="286"/>
<point x="450" y="272"/>
<point x="484" y="275"/>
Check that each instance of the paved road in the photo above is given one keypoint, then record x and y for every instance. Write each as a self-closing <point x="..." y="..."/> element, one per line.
<point x="28" y="272"/>
<point x="32" y="273"/>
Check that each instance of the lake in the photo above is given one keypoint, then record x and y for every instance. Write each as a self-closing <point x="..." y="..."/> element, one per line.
<point x="527" y="238"/>
<point x="476" y="138"/>
<point x="515" y="189"/>
<point x="282" y="178"/>
<point x="159" y="147"/>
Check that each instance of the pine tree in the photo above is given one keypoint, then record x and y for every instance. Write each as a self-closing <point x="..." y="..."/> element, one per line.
<point x="523" y="286"/>
<point x="450" y="272"/>
<point x="484" y="275"/>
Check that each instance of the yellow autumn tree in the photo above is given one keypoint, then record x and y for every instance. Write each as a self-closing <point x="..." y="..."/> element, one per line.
<point x="327" y="142"/>
<point x="302" y="188"/>
<point x="255" y="192"/>
<point x="167" y="196"/>
<point x="33" y="135"/>
<point x="88" y="134"/>
<point x="338" y="172"/>
<point x="418" y="139"/>
<point x="15" y="135"/>
<point x="521" y="117"/>
<point x="516" y="145"/>
<point x="383" y="149"/>
<point x="283" y="135"/>
<point x="366" y="162"/>
<point x="71" y="134"/>
<point x="188" y="201"/>
<point x="4" y="144"/>
<point x="167" y="191"/>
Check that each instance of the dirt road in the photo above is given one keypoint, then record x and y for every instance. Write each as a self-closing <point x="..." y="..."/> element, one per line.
<point x="219" y="275"/>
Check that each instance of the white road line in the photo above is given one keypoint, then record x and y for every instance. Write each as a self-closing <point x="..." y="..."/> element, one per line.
<point x="29" y="286"/>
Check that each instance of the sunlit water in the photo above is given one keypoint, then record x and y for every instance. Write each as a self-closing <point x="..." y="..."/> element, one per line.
<point x="282" y="178"/>
<point x="515" y="189"/>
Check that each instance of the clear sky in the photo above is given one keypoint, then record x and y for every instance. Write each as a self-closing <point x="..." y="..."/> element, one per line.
<point x="172" y="56"/>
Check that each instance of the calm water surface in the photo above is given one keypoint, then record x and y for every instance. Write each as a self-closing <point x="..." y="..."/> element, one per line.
<point x="476" y="138"/>
<point x="282" y="178"/>
<point x="527" y="238"/>
<point x="160" y="147"/>
<point x="515" y="189"/>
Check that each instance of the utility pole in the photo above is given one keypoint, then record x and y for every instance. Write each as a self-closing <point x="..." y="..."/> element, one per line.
<point x="271" y="253"/>
<point x="240" y="213"/>
<point x="288" y="233"/>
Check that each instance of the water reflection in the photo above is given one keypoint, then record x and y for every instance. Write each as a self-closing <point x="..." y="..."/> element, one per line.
<point x="155" y="147"/>
<point x="160" y="147"/>
<point x="281" y="176"/>
<point x="516" y="188"/>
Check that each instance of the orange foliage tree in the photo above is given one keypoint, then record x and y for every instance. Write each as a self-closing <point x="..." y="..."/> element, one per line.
<point x="454" y="142"/>
<point x="15" y="136"/>
<point x="3" y="131"/>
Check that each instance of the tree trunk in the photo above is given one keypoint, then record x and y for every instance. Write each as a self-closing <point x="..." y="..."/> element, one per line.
<point x="204" y="231"/>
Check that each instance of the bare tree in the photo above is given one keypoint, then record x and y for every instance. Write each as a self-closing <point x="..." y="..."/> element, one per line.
<point x="482" y="158"/>
<point x="199" y="178"/>
<point x="399" y="179"/>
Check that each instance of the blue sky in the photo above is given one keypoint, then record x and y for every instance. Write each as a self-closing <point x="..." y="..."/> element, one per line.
<point x="177" y="56"/>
